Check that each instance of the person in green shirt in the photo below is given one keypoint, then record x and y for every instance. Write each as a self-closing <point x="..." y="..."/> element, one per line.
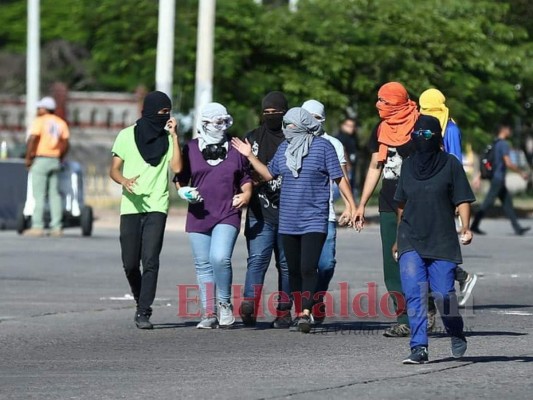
<point x="142" y="154"/>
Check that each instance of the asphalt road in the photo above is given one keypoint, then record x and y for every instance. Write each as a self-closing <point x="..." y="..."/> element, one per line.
<point x="67" y="330"/>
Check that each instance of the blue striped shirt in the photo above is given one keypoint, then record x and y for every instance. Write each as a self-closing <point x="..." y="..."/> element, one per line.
<point x="304" y="201"/>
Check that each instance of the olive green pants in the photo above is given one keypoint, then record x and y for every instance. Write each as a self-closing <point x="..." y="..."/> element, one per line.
<point x="391" y="269"/>
<point x="45" y="180"/>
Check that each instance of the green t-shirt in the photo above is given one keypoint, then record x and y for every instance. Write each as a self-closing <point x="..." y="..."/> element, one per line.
<point x="151" y="189"/>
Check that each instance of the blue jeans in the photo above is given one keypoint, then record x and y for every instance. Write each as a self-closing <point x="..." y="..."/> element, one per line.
<point x="261" y="239"/>
<point x="212" y="257"/>
<point x="416" y="273"/>
<point x="327" y="262"/>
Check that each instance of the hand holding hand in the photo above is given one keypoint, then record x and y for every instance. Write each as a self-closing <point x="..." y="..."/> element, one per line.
<point x="240" y="200"/>
<point x="359" y="218"/>
<point x="395" y="251"/>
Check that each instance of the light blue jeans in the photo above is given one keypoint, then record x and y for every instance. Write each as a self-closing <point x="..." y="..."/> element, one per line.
<point x="327" y="262"/>
<point x="212" y="257"/>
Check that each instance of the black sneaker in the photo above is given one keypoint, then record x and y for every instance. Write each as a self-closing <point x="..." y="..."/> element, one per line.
<point x="320" y="315"/>
<point x="419" y="355"/>
<point x="397" y="330"/>
<point x="304" y="323"/>
<point x="523" y="230"/>
<point x="143" y="322"/>
<point x="458" y="346"/>
<point x="282" y="321"/>
<point x="295" y="326"/>
<point x="246" y="311"/>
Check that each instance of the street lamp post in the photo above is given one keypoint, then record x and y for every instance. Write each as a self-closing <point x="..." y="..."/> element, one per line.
<point x="33" y="60"/>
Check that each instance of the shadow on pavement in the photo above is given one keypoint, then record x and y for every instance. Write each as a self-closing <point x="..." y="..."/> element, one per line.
<point x="484" y="359"/>
<point x="176" y="325"/>
<point x="501" y="306"/>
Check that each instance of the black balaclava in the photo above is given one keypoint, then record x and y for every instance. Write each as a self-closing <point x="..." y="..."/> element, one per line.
<point x="150" y="135"/>
<point x="428" y="158"/>
<point x="270" y="135"/>
<point x="277" y="101"/>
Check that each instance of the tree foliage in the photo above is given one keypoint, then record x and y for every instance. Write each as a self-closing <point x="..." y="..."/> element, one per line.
<point x="477" y="52"/>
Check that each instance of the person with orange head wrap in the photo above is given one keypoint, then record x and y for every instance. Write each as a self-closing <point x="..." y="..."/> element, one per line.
<point x="390" y="143"/>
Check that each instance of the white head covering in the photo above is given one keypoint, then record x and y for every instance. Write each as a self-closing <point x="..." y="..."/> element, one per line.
<point x="317" y="109"/>
<point x="211" y="126"/>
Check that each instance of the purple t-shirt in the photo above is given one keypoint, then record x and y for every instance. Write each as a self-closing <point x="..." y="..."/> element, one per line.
<point x="216" y="184"/>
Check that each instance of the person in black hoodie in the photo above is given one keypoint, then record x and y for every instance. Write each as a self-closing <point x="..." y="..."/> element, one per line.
<point x="261" y="229"/>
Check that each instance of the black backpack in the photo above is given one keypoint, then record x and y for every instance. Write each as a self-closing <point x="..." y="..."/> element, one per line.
<point x="486" y="161"/>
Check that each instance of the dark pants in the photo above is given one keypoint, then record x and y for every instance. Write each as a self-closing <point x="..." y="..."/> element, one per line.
<point x="302" y="253"/>
<point x="497" y="190"/>
<point x="141" y="239"/>
<point x="388" y="225"/>
<point x="262" y="238"/>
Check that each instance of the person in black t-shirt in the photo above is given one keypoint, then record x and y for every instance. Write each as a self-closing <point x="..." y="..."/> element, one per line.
<point x="262" y="219"/>
<point x="432" y="185"/>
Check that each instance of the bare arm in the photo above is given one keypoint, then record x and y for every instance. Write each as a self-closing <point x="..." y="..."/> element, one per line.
<point x="243" y="199"/>
<point x="65" y="147"/>
<point x="176" y="163"/>
<point x="371" y="181"/>
<point x="513" y="167"/>
<point x="399" y="213"/>
<point x="346" y="192"/>
<point x="31" y="148"/>
<point x="246" y="150"/>
<point x="464" y="214"/>
<point x="115" y="173"/>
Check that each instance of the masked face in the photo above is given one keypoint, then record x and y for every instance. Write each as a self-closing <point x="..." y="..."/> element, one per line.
<point x="273" y="119"/>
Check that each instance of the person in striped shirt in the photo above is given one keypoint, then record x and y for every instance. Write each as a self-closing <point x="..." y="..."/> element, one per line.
<point x="306" y="163"/>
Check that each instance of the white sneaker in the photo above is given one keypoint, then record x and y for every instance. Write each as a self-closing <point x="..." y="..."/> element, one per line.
<point x="226" y="317"/>
<point x="465" y="289"/>
<point x="208" y="322"/>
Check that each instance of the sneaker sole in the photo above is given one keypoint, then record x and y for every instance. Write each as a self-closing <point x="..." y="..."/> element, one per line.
<point x="468" y="291"/>
<point x="412" y="362"/>
<point x="207" y="327"/>
<point x="226" y="325"/>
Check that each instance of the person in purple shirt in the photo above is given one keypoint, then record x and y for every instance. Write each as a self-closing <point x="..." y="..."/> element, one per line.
<point x="216" y="182"/>
<point x="306" y="163"/>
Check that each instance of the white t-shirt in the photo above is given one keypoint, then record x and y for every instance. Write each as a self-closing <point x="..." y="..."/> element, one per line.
<point x="339" y="149"/>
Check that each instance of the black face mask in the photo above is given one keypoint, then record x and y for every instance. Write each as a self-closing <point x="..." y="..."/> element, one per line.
<point x="273" y="121"/>
<point x="214" y="152"/>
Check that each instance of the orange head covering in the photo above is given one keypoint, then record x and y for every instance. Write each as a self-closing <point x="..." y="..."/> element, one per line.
<point x="398" y="115"/>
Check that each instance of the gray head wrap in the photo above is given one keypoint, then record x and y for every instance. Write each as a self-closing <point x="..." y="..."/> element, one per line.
<point x="299" y="128"/>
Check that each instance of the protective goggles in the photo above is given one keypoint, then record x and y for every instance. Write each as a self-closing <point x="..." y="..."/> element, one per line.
<point x="424" y="133"/>
<point x="222" y="122"/>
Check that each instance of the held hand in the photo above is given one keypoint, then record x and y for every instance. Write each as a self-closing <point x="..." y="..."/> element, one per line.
<point x="245" y="148"/>
<point x="359" y="218"/>
<point x="240" y="200"/>
<point x="129" y="184"/>
<point x="345" y="218"/>
<point x="466" y="236"/>
<point x="525" y="176"/>
<point x="28" y="162"/>
<point x="172" y="127"/>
